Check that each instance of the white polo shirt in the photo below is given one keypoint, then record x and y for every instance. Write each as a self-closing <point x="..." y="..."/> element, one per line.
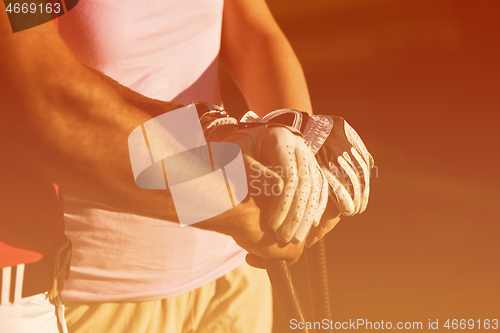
<point x="167" y="50"/>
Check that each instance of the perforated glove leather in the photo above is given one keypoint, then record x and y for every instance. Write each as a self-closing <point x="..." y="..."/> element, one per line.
<point x="339" y="150"/>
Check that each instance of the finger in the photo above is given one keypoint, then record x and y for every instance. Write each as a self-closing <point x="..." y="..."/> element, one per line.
<point x="283" y="159"/>
<point x="311" y="206"/>
<point x="258" y="175"/>
<point x="360" y="148"/>
<point x="329" y="221"/>
<point x="371" y="161"/>
<point x="365" y="187"/>
<point x="302" y="193"/>
<point x="355" y="140"/>
<point x="255" y="261"/>
<point x="290" y="253"/>
<point x="323" y="200"/>
<point x="348" y="166"/>
<point x="339" y="194"/>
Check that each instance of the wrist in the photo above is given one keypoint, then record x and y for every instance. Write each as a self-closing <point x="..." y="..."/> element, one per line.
<point x="213" y="119"/>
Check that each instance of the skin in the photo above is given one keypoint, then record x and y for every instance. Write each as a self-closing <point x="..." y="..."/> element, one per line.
<point x="260" y="59"/>
<point x="262" y="63"/>
<point x="74" y="122"/>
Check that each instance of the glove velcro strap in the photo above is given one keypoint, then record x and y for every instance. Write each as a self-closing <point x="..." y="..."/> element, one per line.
<point x="224" y="129"/>
<point x="242" y="125"/>
<point x="315" y="128"/>
<point x="290" y="117"/>
<point x="294" y="119"/>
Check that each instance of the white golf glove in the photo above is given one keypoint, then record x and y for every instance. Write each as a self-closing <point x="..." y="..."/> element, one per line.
<point x="279" y="149"/>
<point x="339" y="151"/>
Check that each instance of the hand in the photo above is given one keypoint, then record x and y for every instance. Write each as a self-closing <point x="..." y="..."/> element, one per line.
<point x="251" y="231"/>
<point x="298" y="203"/>
<point x="246" y="225"/>
<point x="329" y="220"/>
<point x="339" y="150"/>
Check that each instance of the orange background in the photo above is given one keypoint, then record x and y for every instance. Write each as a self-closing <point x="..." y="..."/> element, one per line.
<point x="420" y="82"/>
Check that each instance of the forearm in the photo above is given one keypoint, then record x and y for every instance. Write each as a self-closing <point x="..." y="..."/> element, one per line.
<point x="72" y="124"/>
<point x="261" y="60"/>
<point x="152" y="107"/>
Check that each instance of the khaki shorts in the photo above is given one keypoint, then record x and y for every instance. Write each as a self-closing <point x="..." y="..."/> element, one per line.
<point x="239" y="302"/>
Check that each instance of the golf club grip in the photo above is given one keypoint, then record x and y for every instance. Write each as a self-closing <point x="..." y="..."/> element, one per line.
<point x="317" y="277"/>
<point x="284" y="292"/>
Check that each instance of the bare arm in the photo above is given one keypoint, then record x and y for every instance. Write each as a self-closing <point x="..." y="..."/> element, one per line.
<point x="152" y="107"/>
<point x="260" y="58"/>
<point x="73" y="124"/>
<point x="264" y="66"/>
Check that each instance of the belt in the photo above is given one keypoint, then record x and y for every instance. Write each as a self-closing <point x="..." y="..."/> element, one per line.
<point x="46" y="275"/>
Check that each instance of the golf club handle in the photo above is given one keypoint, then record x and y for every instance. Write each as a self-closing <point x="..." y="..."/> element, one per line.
<point x="317" y="277"/>
<point x="284" y="292"/>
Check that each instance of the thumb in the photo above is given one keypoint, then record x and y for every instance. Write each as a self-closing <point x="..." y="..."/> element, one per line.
<point x="255" y="261"/>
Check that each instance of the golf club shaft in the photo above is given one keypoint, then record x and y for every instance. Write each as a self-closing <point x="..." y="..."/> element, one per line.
<point x="285" y="293"/>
